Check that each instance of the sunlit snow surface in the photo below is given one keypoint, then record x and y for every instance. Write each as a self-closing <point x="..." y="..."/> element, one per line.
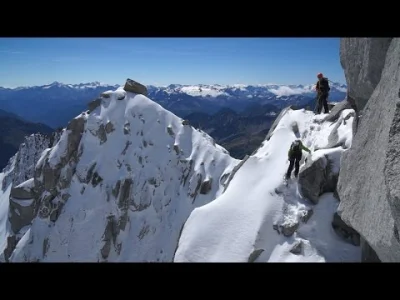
<point x="148" y="145"/>
<point x="219" y="226"/>
<point x="242" y="219"/>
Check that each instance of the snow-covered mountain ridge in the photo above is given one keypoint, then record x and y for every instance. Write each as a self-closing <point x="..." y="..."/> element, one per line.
<point x="124" y="177"/>
<point x="117" y="186"/>
<point x="258" y="219"/>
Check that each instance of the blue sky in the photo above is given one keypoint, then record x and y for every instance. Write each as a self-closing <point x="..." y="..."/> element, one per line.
<point x="162" y="61"/>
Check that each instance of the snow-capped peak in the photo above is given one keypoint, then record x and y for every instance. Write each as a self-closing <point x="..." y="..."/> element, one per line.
<point x="118" y="185"/>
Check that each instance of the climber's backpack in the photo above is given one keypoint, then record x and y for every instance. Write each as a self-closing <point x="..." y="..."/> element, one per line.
<point x="295" y="147"/>
<point x="324" y="86"/>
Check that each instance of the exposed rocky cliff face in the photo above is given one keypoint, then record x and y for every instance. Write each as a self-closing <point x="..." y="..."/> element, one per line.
<point x="368" y="184"/>
<point x="13" y="130"/>
<point x="363" y="60"/>
<point x="20" y="168"/>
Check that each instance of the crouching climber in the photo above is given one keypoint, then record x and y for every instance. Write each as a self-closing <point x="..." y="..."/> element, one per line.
<point x="294" y="155"/>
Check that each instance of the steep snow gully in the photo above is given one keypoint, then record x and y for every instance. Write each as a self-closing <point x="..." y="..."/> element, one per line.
<point x="130" y="181"/>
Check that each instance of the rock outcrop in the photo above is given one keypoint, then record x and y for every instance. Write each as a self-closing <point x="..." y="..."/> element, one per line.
<point x="29" y="153"/>
<point x="135" y="87"/>
<point x="317" y="177"/>
<point x="39" y="177"/>
<point x="320" y="173"/>
<point x="54" y="171"/>
<point x="336" y="110"/>
<point x="370" y="169"/>
<point x="345" y="231"/>
<point x="22" y="205"/>
<point x="18" y="175"/>
<point x="21" y="166"/>
<point x="92" y="105"/>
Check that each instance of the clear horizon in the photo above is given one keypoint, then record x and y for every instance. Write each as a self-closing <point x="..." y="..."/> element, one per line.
<point x="164" y="61"/>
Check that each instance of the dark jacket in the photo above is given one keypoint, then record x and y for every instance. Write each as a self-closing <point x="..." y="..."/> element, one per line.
<point x="322" y="86"/>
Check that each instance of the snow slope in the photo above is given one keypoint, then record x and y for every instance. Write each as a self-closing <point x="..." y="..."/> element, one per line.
<point x="127" y="188"/>
<point x="122" y="182"/>
<point x="245" y="219"/>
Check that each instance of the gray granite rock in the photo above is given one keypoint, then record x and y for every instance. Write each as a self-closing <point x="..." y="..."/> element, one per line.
<point x="368" y="184"/>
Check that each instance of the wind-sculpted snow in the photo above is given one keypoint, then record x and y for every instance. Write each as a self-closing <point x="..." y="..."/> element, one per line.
<point x="119" y="185"/>
<point x="259" y="219"/>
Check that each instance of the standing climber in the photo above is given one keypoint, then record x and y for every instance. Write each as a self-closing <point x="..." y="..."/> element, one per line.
<point x="322" y="88"/>
<point x="294" y="156"/>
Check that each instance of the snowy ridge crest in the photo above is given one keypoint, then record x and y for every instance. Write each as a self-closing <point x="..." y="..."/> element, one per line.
<point x="128" y="180"/>
<point x="258" y="219"/>
<point x="117" y="186"/>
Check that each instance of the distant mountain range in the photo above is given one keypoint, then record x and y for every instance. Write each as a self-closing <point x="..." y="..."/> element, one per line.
<point x="239" y="133"/>
<point x="236" y="116"/>
<point x="55" y="104"/>
<point x="185" y="99"/>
